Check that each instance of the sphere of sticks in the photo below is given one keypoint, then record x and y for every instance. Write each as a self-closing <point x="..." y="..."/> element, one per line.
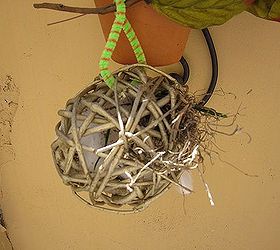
<point x="121" y="148"/>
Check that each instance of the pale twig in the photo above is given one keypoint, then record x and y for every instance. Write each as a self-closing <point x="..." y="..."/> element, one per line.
<point x="144" y="167"/>
<point x="210" y="197"/>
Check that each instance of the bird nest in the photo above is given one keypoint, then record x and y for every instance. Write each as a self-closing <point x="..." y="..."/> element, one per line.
<point x="119" y="149"/>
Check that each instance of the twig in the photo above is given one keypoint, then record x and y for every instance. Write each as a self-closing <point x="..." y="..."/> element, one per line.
<point x="146" y="166"/>
<point x="66" y="20"/>
<point x="101" y="11"/>
<point x="236" y="168"/>
<point x="207" y="189"/>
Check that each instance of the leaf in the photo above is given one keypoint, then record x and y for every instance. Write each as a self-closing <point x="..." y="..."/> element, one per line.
<point x="268" y="9"/>
<point x="199" y="14"/>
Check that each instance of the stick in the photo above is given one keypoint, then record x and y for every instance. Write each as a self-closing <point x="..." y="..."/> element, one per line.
<point x="101" y="11"/>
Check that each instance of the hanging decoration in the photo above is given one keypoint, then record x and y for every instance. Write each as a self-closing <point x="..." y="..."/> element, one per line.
<point x="130" y="135"/>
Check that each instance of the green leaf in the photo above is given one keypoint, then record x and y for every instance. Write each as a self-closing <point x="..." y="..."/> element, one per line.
<point x="268" y="9"/>
<point x="199" y="14"/>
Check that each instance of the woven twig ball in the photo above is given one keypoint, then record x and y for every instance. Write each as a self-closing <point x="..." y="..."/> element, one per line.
<point x="125" y="146"/>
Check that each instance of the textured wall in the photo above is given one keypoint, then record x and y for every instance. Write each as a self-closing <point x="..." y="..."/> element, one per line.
<point x="50" y="64"/>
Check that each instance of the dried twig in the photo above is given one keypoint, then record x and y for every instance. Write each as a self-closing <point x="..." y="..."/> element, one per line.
<point x="101" y="11"/>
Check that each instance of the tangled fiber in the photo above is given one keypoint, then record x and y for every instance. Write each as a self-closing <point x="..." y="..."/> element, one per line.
<point x="124" y="147"/>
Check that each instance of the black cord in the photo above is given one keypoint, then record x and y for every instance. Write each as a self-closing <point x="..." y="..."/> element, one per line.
<point x="215" y="70"/>
<point x="186" y="73"/>
<point x="214" y="60"/>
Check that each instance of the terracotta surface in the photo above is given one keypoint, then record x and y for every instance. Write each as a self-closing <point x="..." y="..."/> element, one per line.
<point x="50" y="64"/>
<point x="162" y="40"/>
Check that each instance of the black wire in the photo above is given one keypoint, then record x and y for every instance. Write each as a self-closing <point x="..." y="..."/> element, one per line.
<point x="215" y="69"/>
<point x="186" y="73"/>
<point x="214" y="60"/>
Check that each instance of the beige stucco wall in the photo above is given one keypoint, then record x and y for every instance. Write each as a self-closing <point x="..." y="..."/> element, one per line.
<point x="50" y="64"/>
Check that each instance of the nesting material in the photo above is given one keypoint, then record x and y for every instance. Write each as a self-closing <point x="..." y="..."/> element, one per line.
<point x="119" y="149"/>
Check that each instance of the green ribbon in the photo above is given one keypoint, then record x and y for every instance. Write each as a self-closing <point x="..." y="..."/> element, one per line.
<point x="120" y="23"/>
